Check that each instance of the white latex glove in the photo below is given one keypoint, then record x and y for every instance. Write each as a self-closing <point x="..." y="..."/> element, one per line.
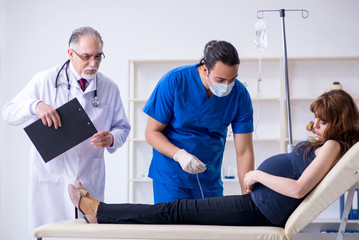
<point x="188" y="162"/>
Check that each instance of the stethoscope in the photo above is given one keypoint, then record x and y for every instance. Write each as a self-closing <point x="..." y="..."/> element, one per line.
<point x="95" y="101"/>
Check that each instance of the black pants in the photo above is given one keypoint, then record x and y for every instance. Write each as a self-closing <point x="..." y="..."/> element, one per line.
<point x="236" y="210"/>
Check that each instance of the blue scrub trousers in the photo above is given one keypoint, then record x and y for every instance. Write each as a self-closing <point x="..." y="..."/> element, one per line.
<point x="168" y="192"/>
<point x="237" y="210"/>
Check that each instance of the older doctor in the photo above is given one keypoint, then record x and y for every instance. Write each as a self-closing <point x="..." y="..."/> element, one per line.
<point x="49" y="200"/>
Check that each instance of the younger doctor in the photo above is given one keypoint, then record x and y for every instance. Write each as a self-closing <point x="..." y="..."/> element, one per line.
<point x="78" y="77"/>
<point x="189" y="113"/>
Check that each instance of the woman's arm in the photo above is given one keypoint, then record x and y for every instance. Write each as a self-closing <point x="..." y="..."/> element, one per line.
<point x="312" y="175"/>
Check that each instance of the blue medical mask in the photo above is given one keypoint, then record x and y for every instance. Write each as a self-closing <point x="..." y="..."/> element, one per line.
<point x="221" y="89"/>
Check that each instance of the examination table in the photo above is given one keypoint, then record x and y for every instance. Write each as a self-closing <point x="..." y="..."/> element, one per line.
<point x="344" y="176"/>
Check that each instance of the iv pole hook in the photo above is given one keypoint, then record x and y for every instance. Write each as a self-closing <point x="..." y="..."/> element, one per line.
<point x="305" y="13"/>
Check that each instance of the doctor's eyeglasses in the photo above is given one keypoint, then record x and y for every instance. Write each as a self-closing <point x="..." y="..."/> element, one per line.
<point x="88" y="57"/>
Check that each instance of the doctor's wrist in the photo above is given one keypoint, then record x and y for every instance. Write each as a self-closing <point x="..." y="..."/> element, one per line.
<point x="112" y="140"/>
<point x="178" y="155"/>
<point x="33" y="107"/>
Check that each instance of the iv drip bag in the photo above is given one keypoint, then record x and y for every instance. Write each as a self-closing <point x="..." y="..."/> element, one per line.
<point x="261" y="35"/>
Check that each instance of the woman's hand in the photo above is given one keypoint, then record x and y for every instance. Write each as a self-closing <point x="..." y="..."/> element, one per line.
<point x="249" y="179"/>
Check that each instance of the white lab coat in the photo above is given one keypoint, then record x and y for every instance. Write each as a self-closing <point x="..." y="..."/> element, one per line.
<point x="49" y="199"/>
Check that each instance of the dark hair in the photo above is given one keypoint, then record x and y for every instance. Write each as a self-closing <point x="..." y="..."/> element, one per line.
<point x="83" y="31"/>
<point x="339" y="110"/>
<point x="222" y="51"/>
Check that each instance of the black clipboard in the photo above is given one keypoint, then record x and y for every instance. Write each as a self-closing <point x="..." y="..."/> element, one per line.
<point x="76" y="127"/>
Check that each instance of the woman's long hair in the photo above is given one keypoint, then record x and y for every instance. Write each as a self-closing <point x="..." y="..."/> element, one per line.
<point x="339" y="110"/>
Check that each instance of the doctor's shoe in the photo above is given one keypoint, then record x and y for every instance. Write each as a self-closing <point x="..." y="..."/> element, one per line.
<point x="84" y="202"/>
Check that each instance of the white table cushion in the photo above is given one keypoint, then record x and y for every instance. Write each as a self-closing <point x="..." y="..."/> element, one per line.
<point x="78" y="228"/>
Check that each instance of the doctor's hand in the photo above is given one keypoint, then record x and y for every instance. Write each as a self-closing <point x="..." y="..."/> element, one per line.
<point x="102" y="139"/>
<point x="188" y="162"/>
<point x="48" y="115"/>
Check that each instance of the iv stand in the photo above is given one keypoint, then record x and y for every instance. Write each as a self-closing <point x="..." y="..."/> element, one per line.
<point x="305" y="14"/>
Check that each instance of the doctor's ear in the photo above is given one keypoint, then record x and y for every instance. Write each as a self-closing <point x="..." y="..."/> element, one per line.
<point x="205" y="70"/>
<point x="71" y="53"/>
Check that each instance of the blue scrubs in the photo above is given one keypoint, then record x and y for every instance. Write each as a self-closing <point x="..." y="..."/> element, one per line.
<point x="197" y="124"/>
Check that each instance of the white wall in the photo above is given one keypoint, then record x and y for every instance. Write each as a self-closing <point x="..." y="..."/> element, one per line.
<point x="34" y="36"/>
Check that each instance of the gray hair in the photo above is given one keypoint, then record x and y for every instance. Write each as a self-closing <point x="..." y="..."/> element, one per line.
<point x="83" y="31"/>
